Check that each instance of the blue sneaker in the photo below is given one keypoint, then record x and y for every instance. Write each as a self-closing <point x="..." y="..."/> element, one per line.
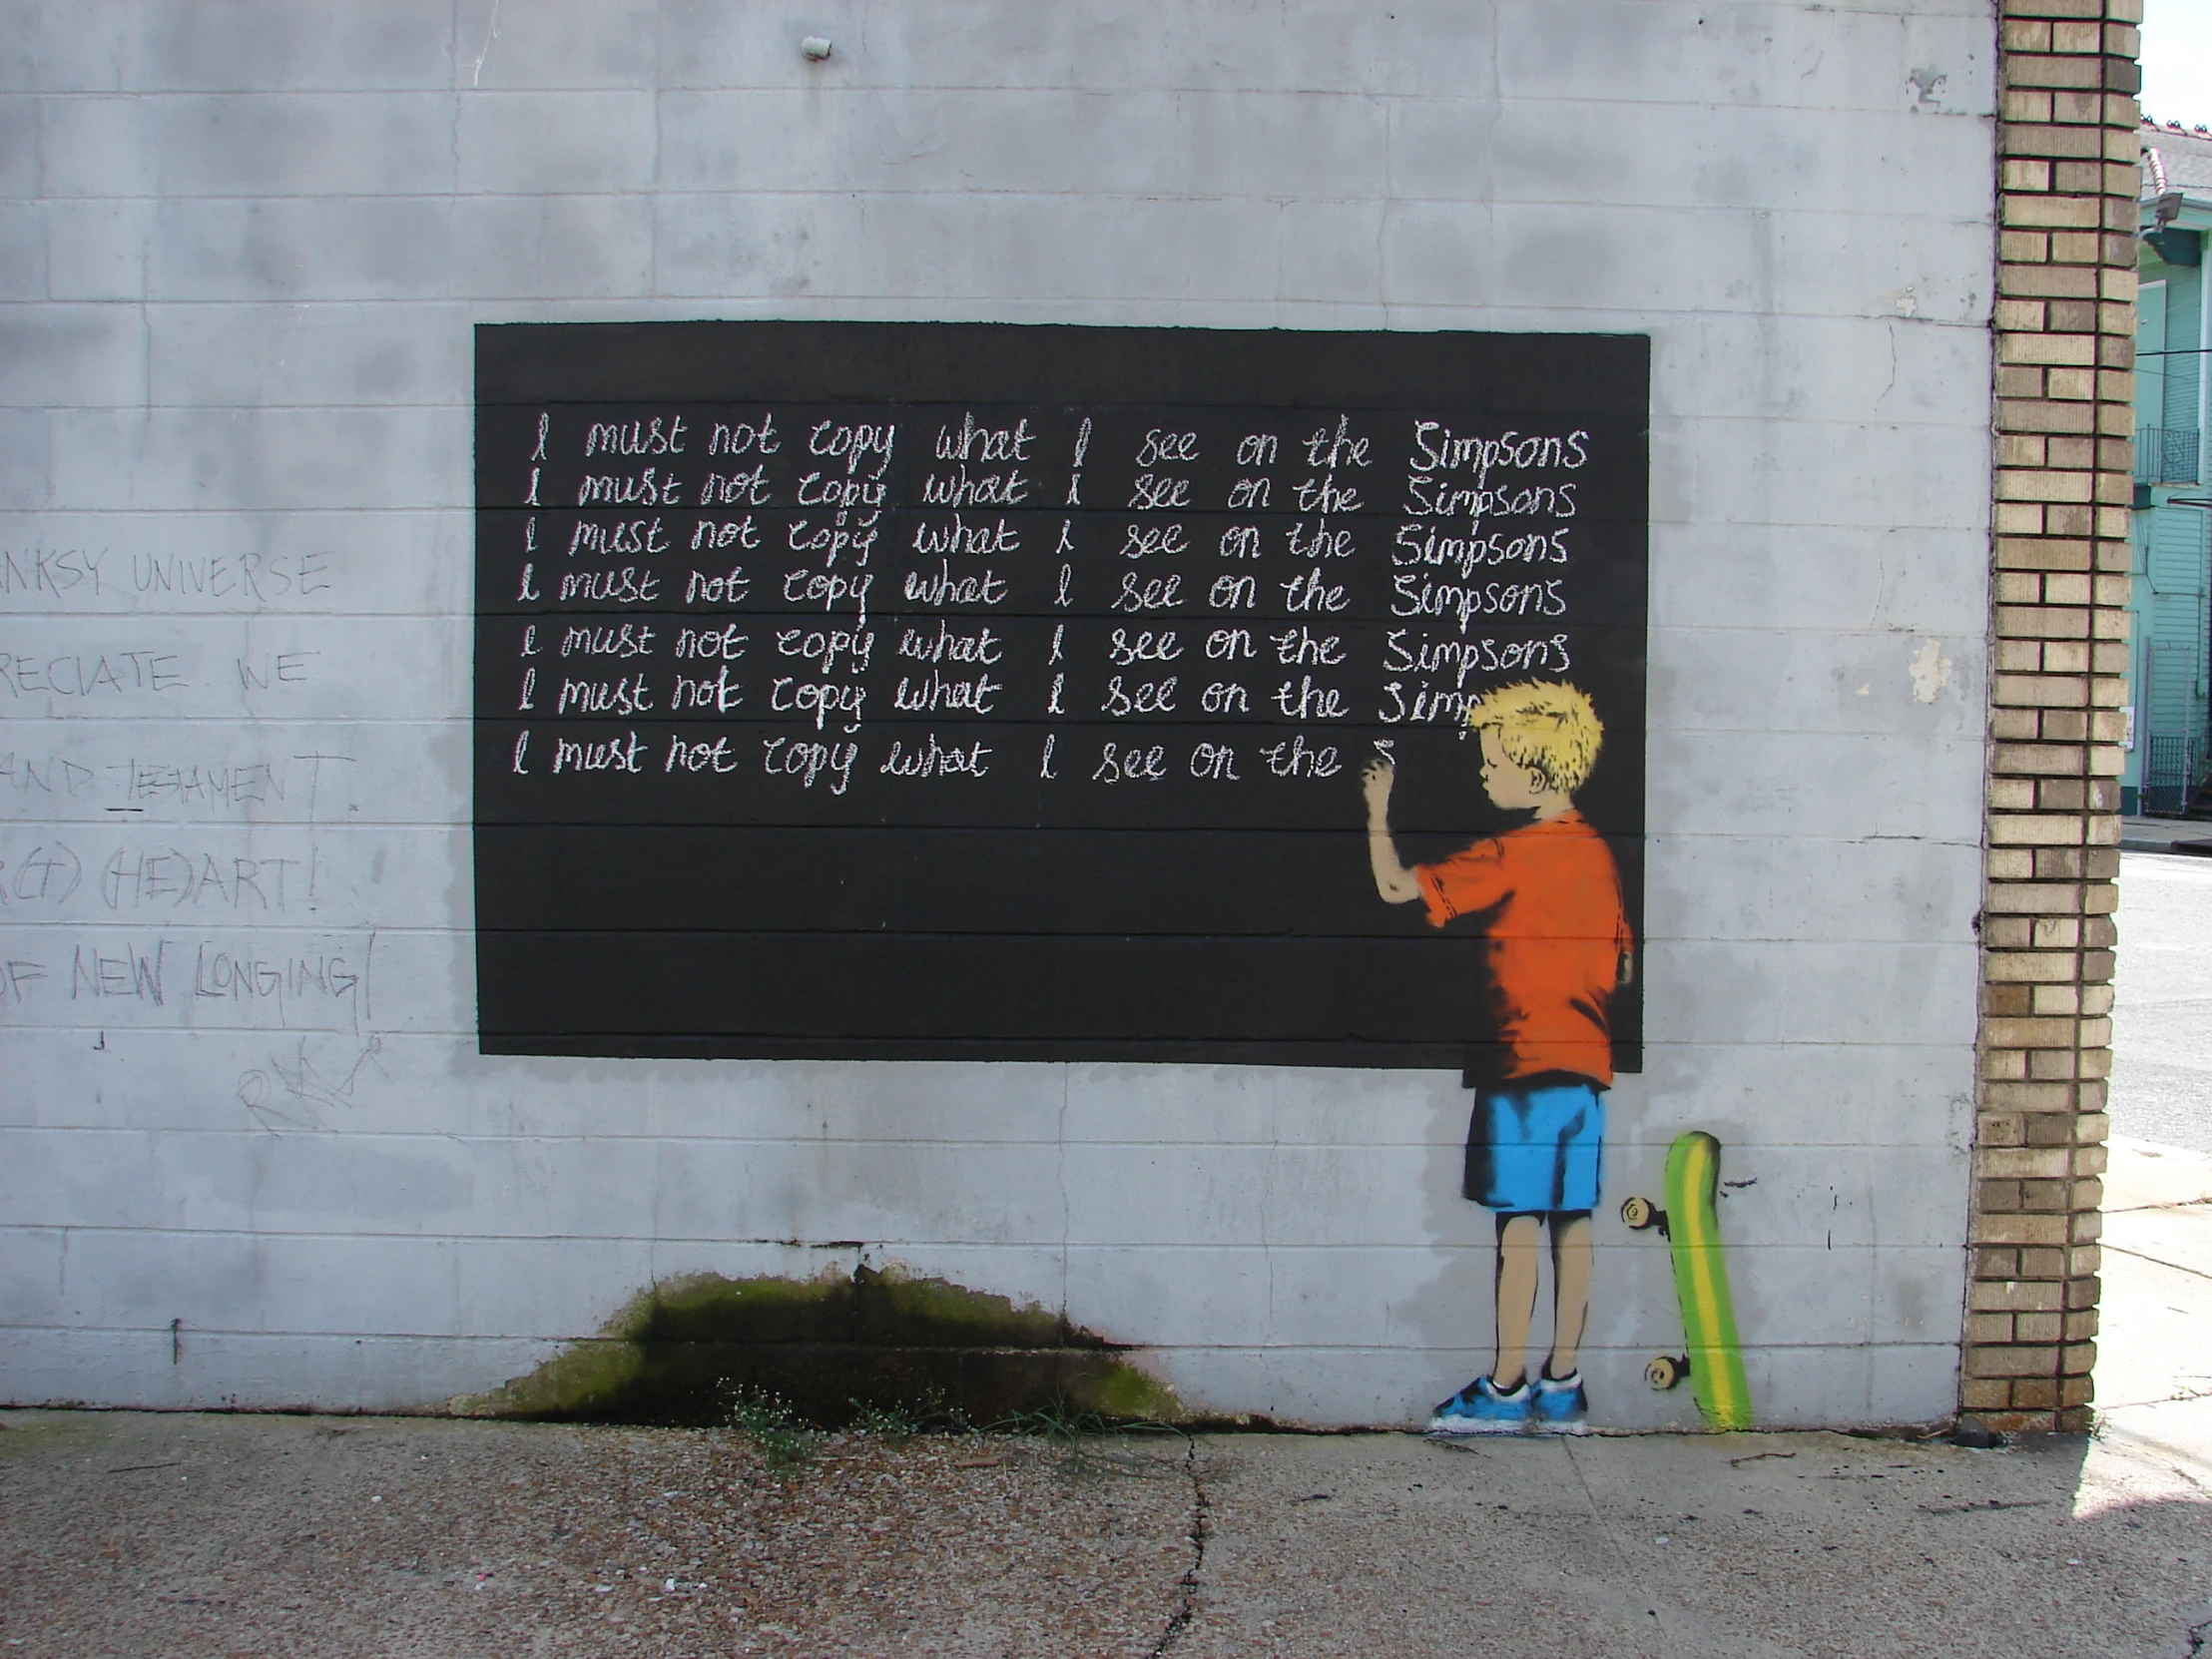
<point x="1480" y="1409"/>
<point x="1561" y="1406"/>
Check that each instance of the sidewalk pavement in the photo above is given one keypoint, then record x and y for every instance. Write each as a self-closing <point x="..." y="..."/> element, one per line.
<point x="2165" y="835"/>
<point x="211" y="1538"/>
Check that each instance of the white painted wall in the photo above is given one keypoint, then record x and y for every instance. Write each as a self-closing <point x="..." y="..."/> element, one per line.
<point x="241" y="248"/>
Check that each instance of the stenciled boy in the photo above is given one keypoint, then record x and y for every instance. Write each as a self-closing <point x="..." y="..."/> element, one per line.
<point x="1546" y="898"/>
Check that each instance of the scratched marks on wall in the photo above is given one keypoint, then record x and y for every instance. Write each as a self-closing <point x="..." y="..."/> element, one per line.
<point x="182" y="843"/>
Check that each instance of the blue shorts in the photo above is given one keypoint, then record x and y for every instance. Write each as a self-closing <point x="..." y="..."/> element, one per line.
<point x="1533" y="1147"/>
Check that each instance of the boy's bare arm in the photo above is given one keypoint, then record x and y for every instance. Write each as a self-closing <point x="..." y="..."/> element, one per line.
<point x="1393" y="880"/>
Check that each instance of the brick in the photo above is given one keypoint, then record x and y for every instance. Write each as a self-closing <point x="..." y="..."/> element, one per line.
<point x="2026" y="1034"/>
<point x="2029" y="968"/>
<point x="2046" y="349"/>
<point x="2035" y="1393"/>
<point x="2037" y="829"/>
<point x="2043" y="553"/>
<point x="2076" y="248"/>
<point x="2043" y="622"/>
<point x="2055" y="142"/>
<point x="1999" y="1129"/>
<point x="2046" y="691"/>
<point x="2021" y="1162"/>
<point x="2051" y="212"/>
<point x="1997" y="1360"/>
<point x="2016" y="1295"/>
<point x="2034" y="898"/>
<point x="2084" y="109"/>
<point x="2036" y="760"/>
<point x="1983" y="1393"/>
<point x="2020" y="1230"/>
<point x="1992" y="1329"/>
<point x="2027" y="72"/>
<point x="2056" y="932"/>
<point x="2047" y="282"/>
<point x="2052" y="1065"/>
<point x="2053" y="1128"/>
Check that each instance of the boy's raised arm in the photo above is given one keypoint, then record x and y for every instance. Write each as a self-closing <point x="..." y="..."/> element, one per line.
<point x="1393" y="880"/>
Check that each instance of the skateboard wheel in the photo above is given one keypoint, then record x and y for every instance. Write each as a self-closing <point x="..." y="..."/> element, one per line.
<point x="1667" y="1370"/>
<point x="1639" y="1212"/>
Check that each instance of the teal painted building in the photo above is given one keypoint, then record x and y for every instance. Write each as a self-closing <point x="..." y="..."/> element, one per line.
<point x="2169" y="753"/>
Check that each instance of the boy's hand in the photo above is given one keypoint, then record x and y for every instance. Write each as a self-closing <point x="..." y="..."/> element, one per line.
<point x="1376" y="781"/>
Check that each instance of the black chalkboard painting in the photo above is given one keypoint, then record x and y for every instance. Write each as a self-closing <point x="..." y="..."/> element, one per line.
<point x="971" y="691"/>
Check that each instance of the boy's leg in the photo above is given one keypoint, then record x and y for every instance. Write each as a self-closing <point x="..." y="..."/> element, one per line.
<point x="1519" y="1241"/>
<point x="1572" y="1256"/>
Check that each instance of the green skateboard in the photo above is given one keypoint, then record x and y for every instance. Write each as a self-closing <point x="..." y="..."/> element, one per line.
<point x="1715" y="1361"/>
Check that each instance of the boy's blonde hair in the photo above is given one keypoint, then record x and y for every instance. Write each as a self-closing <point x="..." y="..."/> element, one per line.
<point x="1548" y="726"/>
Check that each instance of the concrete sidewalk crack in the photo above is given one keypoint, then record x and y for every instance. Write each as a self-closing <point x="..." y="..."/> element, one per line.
<point x="2159" y="1260"/>
<point x="1187" y="1587"/>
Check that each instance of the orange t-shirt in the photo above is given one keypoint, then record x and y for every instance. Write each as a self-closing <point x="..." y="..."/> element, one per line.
<point x="1547" y="898"/>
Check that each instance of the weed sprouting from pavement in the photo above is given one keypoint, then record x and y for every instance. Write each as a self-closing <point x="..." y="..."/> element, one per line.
<point x="1088" y="1444"/>
<point x="769" y="1422"/>
<point x="899" y="1422"/>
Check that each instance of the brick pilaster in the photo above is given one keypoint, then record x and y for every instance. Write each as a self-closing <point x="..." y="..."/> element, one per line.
<point x="2066" y="388"/>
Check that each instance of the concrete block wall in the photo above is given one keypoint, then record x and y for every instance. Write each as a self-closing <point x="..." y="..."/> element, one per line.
<point x="248" y="1151"/>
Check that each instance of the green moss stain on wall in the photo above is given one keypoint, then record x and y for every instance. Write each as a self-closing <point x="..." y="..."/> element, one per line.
<point x="828" y="1345"/>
